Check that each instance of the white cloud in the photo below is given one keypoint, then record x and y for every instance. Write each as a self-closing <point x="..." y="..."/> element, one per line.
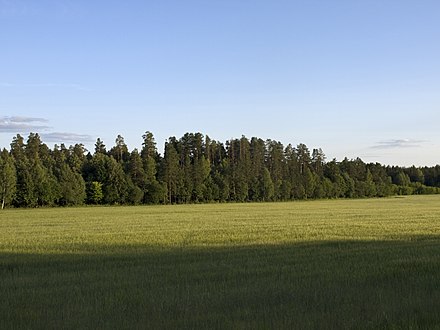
<point x="22" y="124"/>
<point x="18" y="124"/>
<point x="21" y="119"/>
<point x="66" y="137"/>
<point x="398" y="144"/>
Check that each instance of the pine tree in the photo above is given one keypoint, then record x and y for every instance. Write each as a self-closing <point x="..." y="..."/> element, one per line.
<point x="275" y="165"/>
<point x="153" y="191"/>
<point x="172" y="172"/>
<point x="120" y="150"/>
<point x="257" y="157"/>
<point x="136" y="171"/>
<point x="100" y="147"/>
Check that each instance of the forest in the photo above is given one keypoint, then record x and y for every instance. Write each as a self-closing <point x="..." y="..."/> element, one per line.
<point x="193" y="169"/>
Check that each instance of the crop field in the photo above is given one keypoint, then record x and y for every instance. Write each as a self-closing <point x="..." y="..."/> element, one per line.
<point x="370" y="263"/>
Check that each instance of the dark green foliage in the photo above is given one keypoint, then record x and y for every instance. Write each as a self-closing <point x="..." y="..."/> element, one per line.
<point x="100" y="147"/>
<point x="8" y="179"/>
<point x="46" y="187"/>
<point x="172" y="173"/>
<point x="153" y="192"/>
<point x="120" y="150"/>
<point x="115" y="183"/>
<point x="25" y="187"/>
<point x="72" y="187"/>
<point x="267" y="186"/>
<point x="195" y="169"/>
<point x="135" y="194"/>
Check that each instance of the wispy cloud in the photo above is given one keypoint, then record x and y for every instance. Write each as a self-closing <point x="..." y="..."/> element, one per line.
<point x="398" y="144"/>
<point x="22" y="124"/>
<point x="21" y="119"/>
<point x="18" y="124"/>
<point x="78" y="87"/>
<point x="66" y="137"/>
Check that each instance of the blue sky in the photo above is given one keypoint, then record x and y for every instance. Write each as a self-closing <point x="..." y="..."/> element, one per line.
<point x="356" y="78"/>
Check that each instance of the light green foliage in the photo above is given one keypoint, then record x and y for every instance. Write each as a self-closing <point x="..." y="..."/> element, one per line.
<point x="94" y="192"/>
<point x="370" y="263"/>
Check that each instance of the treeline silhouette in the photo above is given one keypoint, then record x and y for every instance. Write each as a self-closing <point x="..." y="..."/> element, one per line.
<point x="193" y="169"/>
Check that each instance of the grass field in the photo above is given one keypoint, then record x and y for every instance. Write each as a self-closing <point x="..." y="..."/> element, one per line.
<point x="372" y="263"/>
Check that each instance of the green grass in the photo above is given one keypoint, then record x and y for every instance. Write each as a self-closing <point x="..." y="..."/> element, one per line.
<point x="372" y="263"/>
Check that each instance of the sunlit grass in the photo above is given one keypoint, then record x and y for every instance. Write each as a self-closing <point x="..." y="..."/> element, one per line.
<point x="66" y="230"/>
<point x="347" y="263"/>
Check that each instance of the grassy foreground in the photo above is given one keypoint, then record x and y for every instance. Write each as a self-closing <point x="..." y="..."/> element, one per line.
<point x="320" y="264"/>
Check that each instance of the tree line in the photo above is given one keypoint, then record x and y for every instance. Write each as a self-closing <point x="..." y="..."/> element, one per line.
<point x="193" y="169"/>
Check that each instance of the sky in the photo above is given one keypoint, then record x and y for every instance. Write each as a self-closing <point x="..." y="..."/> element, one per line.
<point x="355" y="78"/>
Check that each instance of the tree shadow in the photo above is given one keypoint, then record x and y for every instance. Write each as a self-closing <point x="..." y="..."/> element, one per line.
<point x="323" y="284"/>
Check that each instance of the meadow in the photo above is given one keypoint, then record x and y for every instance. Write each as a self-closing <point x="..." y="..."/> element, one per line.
<point x="367" y="263"/>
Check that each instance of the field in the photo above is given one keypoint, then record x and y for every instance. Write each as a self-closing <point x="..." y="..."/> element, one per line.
<point x="372" y="263"/>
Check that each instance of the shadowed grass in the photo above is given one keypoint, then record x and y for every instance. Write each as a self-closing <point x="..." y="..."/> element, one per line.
<point x="327" y="264"/>
<point x="319" y="284"/>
